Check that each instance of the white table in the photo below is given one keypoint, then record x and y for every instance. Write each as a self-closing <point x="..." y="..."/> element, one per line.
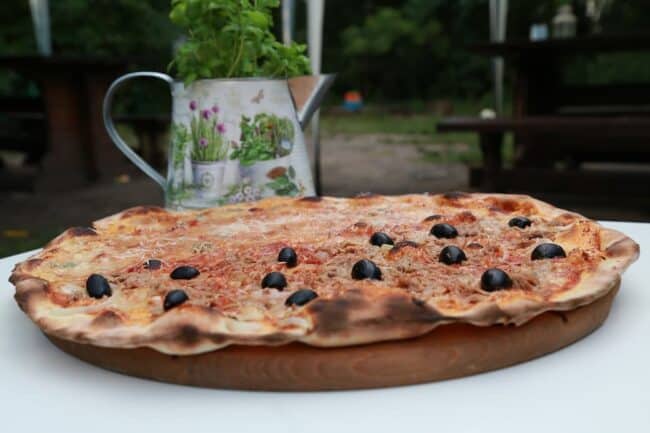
<point x="600" y="384"/>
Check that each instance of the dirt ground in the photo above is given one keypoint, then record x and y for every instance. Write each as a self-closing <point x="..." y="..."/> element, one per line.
<point x="380" y="163"/>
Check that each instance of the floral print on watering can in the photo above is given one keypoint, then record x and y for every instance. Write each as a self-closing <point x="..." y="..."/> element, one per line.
<point x="233" y="140"/>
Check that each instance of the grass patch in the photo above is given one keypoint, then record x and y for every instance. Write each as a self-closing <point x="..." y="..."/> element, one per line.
<point x="14" y="241"/>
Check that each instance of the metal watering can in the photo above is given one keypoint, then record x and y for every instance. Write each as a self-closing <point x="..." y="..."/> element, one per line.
<point x="232" y="140"/>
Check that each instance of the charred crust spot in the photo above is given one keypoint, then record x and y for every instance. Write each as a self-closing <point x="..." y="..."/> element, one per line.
<point x="455" y="195"/>
<point x="474" y="245"/>
<point x="32" y="263"/>
<point x="418" y="302"/>
<point x="311" y="199"/>
<point x="255" y="209"/>
<point x="332" y="315"/>
<point x="188" y="334"/>
<point x="401" y="245"/>
<point x="141" y="210"/>
<point x="403" y="309"/>
<point x="107" y="319"/>
<point x="82" y="231"/>
<point x="433" y="218"/>
<point x="360" y="225"/>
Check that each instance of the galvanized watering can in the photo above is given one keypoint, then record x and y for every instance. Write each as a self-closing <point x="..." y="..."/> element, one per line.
<point x="232" y="140"/>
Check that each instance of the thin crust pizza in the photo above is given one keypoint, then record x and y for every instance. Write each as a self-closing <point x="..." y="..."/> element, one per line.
<point x="322" y="271"/>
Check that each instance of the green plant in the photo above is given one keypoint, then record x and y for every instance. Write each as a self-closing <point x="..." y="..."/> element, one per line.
<point x="264" y="137"/>
<point x="206" y="133"/>
<point x="180" y="139"/>
<point x="284" y="184"/>
<point x="232" y="38"/>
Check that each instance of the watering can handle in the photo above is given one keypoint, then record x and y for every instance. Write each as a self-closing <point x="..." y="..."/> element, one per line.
<point x="112" y="132"/>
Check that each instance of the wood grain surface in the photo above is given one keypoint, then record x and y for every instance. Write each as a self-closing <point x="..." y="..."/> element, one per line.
<point x="447" y="352"/>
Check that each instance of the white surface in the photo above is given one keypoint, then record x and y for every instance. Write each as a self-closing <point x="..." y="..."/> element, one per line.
<point x="600" y="384"/>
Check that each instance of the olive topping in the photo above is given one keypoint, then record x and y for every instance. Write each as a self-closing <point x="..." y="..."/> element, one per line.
<point x="547" y="251"/>
<point x="288" y="255"/>
<point x="381" y="238"/>
<point x="274" y="280"/>
<point x="184" y="273"/>
<point x="520" y="221"/>
<point x="366" y="269"/>
<point x="153" y="264"/>
<point x="495" y="279"/>
<point x="451" y="255"/>
<point x="444" y="230"/>
<point x="300" y="297"/>
<point x="174" y="298"/>
<point x="97" y="286"/>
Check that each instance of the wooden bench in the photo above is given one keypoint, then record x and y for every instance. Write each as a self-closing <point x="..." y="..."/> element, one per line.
<point x="604" y="130"/>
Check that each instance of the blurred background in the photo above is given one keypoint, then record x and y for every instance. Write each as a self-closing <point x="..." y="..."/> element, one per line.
<point x="545" y="97"/>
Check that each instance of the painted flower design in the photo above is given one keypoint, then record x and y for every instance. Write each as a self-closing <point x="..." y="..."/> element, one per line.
<point x="221" y="128"/>
<point x="205" y="114"/>
<point x="193" y="105"/>
<point x="215" y="109"/>
<point x="203" y="142"/>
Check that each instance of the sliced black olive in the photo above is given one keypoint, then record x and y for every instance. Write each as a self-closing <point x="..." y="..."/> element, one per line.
<point x="300" y="297"/>
<point x="381" y="238"/>
<point x="495" y="279"/>
<point x="366" y="269"/>
<point x="174" y="298"/>
<point x="288" y="255"/>
<point x="451" y="255"/>
<point x="97" y="286"/>
<point x="153" y="264"/>
<point x="184" y="273"/>
<point x="520" y="221"/>
<point x="274" y="280"/>
<point x="444" y="230"/>
<point x="547" y="251"/>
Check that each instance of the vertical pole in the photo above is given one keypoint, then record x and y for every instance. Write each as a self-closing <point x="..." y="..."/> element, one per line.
<point x="315" y="11"/>
<point x="288" y="10"/>
<point x="41" y="18"/>
<point x="498" y="22"/>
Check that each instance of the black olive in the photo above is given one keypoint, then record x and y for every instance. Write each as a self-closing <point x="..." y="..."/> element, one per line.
<point x="366" y="269"/>
<point x="381" y="238"/>
<point x="451" y="255"/>
<point x="274" y="280"/>
<point x="153" y="264"/>
<point x="547" y="251"/>
<point x="174" y="298"/>
<point x="97" y="286"/>
<point x="495" y="279"/>
<point x="520" y="221"/>
<point x="300" y="297"/>
<point x="444" y="230"/>
<point x="289" y="256"/>
<point x="184" y="273"/>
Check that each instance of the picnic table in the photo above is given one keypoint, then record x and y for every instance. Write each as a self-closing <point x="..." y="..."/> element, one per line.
<point x="554" y="120"/>
<point x="78" y="148"/>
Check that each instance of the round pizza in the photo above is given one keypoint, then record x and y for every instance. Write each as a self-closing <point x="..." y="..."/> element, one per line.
<point x="322" y="271"/>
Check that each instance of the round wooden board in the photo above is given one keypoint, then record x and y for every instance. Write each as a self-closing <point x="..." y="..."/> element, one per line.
<point x="447" y="352"/>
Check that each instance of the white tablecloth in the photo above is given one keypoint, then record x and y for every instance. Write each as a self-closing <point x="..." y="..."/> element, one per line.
<point x="600" y="384"/>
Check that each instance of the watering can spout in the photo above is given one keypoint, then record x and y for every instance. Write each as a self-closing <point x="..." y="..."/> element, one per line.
<point x="308" y="92"/>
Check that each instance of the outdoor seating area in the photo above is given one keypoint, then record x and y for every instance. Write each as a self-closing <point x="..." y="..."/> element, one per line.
<point x="324" y="215"/>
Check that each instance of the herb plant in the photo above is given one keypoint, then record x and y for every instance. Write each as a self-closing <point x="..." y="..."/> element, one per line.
<point x="206" y="133"/>
<point x="232" y="38"/>
<point x="264" y="137"/>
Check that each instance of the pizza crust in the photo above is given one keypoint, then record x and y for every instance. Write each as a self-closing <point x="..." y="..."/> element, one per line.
<point x="362" y="315"/>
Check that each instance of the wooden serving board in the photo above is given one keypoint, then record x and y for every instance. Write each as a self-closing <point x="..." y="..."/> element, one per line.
<point x="447" y="352"/>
